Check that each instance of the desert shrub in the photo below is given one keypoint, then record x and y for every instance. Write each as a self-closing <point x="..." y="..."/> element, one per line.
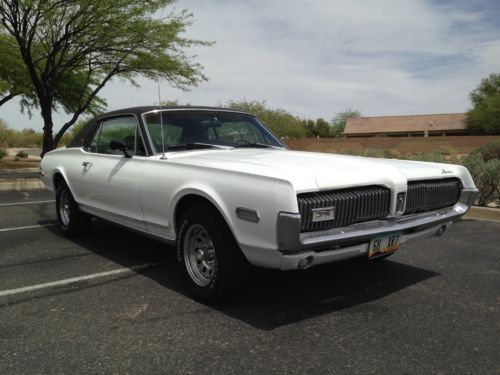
<point x="486" y="175"/>
<point x="444" y="150"/>
<point x="3" y="153"/>
<point x="490" y="150"/>
<point x="22" y="154"/>
<point x="372" y="153"/>
<point x="435" y="157"/>
<point x="380" y="153"/>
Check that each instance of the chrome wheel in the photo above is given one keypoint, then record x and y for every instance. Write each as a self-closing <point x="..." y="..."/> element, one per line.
<point x="64" y="207"/>
<point x="199" y="255"/>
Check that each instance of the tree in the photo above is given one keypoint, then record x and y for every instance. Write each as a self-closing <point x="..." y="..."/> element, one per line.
<point x="14" y="78"/>
<point x="484" y="117"/>
<point x="339" y="122"/>
<point x="281" y="122"/>
<point x="72" y="48"/>
<point x="322" y="128"/>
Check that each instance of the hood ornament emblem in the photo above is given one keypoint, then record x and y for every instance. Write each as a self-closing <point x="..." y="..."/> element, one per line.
<point x="444" y="171"/>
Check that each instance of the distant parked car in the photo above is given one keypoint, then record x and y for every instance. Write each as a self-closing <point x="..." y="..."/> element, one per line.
<point x="229" y="193"/>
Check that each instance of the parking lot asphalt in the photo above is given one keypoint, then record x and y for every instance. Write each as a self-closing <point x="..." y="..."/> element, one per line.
<point x="114" y="301"/>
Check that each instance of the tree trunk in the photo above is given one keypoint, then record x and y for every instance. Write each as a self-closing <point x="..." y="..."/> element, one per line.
<point x="48" y="144"/>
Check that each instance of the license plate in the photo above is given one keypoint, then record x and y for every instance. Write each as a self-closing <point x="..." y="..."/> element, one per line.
<point x="386" y="244"/>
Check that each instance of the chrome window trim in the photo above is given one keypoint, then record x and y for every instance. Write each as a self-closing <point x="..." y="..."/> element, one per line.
<point x="153" y="148"/>
<point x="98" y="126"/>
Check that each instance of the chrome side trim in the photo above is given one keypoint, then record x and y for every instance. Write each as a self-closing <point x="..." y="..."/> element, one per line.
<point x="290" y="239"/>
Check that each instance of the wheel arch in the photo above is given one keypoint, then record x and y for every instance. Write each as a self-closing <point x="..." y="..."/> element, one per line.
<point x="57" y="178"/>
<point x="192" y="198"/>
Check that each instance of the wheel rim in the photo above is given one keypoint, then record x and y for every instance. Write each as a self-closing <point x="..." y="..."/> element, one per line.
<point x="199" y="255"/>
<point x="64" y="207"/>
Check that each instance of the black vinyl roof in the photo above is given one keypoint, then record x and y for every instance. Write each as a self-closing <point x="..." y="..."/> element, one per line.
<point x="148" y="108"/>
<point x="84" y="133"/>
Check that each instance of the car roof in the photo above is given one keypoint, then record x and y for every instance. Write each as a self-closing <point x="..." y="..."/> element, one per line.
<point x="143" y="109"/>
<point x="82" y="135"/>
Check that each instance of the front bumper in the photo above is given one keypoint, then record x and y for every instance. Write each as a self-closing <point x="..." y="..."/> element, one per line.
<point x="353" y="240"/>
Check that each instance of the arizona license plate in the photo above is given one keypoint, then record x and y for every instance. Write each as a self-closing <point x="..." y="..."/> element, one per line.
<point x="384" y="245"/>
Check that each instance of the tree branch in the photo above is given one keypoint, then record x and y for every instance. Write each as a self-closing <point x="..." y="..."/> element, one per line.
<point x="86" y="104"/>
<point x="6" y="98"/>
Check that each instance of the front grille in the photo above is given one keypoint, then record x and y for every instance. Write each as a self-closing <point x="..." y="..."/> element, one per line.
<point x="431" y="195"/>
<point x="351" y="206"/>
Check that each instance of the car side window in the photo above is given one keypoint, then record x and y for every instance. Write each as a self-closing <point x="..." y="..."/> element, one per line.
<point x="123" y="129"/>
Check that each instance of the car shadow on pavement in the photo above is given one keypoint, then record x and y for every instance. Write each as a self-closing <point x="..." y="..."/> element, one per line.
<point x="272" y="298"/>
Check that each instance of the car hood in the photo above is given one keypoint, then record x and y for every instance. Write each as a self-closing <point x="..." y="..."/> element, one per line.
<point x="308" y="171"/>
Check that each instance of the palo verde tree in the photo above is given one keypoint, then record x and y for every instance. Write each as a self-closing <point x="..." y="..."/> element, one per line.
<point x="339" y="122"/>
<point x="484" y="117"/>
<point x="14" y="78"/>
<point x="71" y="49"/>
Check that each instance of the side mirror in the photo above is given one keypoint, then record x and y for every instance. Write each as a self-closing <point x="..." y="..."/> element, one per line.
<point x="120" y="146"/>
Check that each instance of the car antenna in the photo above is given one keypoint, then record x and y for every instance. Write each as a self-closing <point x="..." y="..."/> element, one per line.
<point x="163" y="157"/>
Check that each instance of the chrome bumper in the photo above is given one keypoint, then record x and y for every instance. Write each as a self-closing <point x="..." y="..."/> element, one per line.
<point x="292" y="241"/>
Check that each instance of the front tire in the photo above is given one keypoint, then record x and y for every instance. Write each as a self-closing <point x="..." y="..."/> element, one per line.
<point x="211" y="260"/>
<point x="72" y="221"/>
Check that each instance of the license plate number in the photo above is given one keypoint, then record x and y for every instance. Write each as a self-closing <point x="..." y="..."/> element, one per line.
<point x="384" y="245"/>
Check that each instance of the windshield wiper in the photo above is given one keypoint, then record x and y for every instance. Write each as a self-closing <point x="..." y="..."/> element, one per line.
<point x="190" y="146"/>
<point x="257" y="145"/>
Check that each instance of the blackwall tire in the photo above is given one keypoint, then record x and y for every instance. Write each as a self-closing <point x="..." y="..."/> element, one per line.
<point x="71" y="220"/>
<point x="212" y="263"/>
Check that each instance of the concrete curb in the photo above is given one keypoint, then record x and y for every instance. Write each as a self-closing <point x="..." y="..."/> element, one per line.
<point x="21" y="184"/>
<point x="483" y="213"/>
<point x="19" y="170"/>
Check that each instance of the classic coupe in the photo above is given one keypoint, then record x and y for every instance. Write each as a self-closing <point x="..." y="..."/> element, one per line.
<point x="228" y="193"/>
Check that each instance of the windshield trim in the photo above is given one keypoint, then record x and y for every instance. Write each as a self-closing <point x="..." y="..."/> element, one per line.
<point x="158" y="152"/>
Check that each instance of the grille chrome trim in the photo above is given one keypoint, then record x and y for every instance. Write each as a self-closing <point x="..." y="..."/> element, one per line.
<point x="431" y="195"/>
<point x="352" y="205"/>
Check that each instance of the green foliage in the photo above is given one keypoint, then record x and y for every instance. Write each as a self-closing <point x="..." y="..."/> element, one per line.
<point x="435" y="157"/>
<point x="3" y="153"/>
<point x="486" y="175"/>
<point x="373" y="153"/>
<point x="490" y="150"/>
<point x="322" y="128"/>
<point x="71" y="49"/>
<point x="340" y="120"/>
<point x="281" y="122"/>
<point x="12" y="138"/>
<point x="484" y="117"/>
<point x="22" y="154"/>
<point x="14" y="77"/>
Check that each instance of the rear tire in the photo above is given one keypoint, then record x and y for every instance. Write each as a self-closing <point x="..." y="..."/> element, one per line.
<point x="211" y="260"/>
<point x="72" y="221"/>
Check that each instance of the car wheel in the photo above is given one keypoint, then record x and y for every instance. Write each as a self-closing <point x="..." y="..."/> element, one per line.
<point x="210" y="258"/>
<point x="72" y="221"/>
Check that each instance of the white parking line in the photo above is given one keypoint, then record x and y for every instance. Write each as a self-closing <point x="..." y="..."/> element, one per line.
<point x="27" y="227"/>
<point x="23" y="203"/>
<point x="75" y="280"/>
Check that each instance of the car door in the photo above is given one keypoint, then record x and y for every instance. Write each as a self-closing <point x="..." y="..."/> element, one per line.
<point x="111" y="178"/>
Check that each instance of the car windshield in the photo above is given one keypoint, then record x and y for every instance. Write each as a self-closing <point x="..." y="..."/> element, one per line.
<point x="185" y="130"/>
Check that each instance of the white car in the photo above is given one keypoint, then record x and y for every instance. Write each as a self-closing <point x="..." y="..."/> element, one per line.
<point x="229" y="193"/>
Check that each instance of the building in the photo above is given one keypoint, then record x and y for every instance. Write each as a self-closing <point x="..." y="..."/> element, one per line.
<point x="407" y="126"/>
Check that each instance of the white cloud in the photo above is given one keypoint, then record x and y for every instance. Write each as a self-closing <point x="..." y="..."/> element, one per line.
<point x="315" y="58"/>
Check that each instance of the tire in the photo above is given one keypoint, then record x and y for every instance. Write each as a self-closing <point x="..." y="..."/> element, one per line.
<point x="72" y="221"/>
<point x="210" y="258"/>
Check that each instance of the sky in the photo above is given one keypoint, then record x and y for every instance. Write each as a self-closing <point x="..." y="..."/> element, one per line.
<point x="316" y="58"/>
